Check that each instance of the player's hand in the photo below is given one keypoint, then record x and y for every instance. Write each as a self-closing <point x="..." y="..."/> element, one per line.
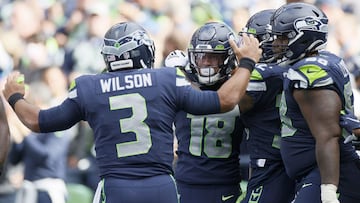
<point x="249" y="47"/>
<point x="328" y="193"/>
<point x="176" y="59"/>
<point x="14" y="84"/>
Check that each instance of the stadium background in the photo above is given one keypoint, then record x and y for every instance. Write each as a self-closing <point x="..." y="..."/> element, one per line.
<point x="54" y="41"/>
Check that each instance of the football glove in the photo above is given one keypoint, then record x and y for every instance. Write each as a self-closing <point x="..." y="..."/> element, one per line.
<point x="176" y="59"/>
<point x="349" y="122"/>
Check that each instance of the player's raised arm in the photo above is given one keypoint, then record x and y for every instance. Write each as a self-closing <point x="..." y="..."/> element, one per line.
<point x="14" y="92"/>
<point x="248" y="54"/>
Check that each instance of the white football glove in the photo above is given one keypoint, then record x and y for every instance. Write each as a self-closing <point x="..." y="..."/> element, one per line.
<point x="176" y="59"/>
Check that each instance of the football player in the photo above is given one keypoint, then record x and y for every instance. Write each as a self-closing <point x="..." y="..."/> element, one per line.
<point x="207" y="168"/>
<point x="316" y="90"/>
<point x="259" y="108"/>
<point x="131" y="109"/>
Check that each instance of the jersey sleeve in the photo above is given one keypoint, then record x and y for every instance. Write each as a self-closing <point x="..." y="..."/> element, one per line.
<point x="257" y="86"/>
<point x="60" y="117"/>
<point x="310" y="76"/>
<point x="195" y="101"/>
<point x="63" y="116"/>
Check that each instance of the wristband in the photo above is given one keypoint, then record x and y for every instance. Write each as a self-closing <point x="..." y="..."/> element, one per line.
<point x="15" y="98"/>
<point x="247" y="63"/>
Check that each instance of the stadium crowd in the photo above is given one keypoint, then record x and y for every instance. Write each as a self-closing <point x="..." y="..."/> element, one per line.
<point x="53" y="42"/>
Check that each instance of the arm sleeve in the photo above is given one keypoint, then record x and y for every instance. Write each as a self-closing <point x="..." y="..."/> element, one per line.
<point x="193" y="100"/>
<point x="257" y="85"/>
<point x="16" y="153"/>
<point x="199" y="102"/>
<point x="60" y="117"/>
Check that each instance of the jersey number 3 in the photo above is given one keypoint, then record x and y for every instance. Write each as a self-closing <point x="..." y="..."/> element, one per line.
<point x="143" y="143"/>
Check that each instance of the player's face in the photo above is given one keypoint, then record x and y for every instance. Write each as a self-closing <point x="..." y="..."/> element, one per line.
<point x="280" y="45"/>
<point x="207" y="60"/>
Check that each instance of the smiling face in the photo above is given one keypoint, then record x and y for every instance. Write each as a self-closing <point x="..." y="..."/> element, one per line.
<point x="210" y="56"/>
<point x="208" y="66"/>
<point x="209" y="60"/>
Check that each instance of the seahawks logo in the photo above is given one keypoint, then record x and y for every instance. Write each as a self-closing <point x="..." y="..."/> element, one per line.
<point x="312" y="24"/>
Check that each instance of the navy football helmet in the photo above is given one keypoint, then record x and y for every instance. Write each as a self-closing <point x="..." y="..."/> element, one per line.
<point x="128" y="46"/>
<point x="303" y="26"/>
<point x="210" y="55"/>
<point x="258" y="25"/>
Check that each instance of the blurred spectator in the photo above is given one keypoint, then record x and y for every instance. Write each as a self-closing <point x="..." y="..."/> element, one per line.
<point x="86" y="57"/>
<point x="342" y="27"/>
<point x="44" y="158"/>
<point x="36" y="35"/>
<point x="57" y="82"/>
<point x="7" y="189"/>
<point x="11" y="50"/>
<point x="6" y="63"/>
<point x="82" y="168"/>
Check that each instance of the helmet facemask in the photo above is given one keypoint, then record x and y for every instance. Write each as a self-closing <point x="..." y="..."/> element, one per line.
<point x="211" y="58"/>
<point x="210" y="67"/>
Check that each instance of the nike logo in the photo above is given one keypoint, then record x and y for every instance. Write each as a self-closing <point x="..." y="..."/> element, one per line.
<point x="224" y="198"/>
<point x="311" y="71"/>
<point x="306" y="185"/>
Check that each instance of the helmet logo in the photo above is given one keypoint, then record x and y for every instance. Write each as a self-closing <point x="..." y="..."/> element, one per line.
<point x="311" y="23"/>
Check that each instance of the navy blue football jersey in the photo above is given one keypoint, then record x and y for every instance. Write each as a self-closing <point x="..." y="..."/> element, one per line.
<point x="298" y="145"/>
<point x="262" y="121"/>
<point x="208" y="148"/>
<point x="131" y="113"/>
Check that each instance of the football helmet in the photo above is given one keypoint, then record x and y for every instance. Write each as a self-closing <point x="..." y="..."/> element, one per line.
<point x="303" y="26"/>
<point x="211" y="58"/>
<point x="127" y="46"/>
<point x="258" y="25"/>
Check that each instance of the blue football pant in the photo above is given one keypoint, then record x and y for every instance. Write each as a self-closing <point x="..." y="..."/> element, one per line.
<point x="269" y="184"/>
<point x="349" y="186"/>
<point x="309" y="187"/>
<point x="208" y="193"/>
<point x="157" y="189"/>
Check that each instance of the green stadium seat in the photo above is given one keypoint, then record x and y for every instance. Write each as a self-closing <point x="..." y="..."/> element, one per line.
<point x="79" y="193"/>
